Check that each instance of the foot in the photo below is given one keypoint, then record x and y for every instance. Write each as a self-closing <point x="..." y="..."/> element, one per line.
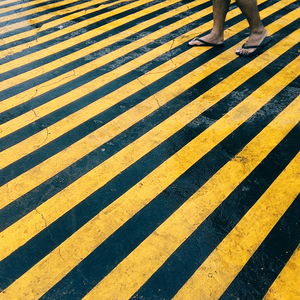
<point x="255" y="39"/>
<point x="209" y="38"/>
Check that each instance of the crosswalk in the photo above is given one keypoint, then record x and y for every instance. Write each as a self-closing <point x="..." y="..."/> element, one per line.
<point x="136" y="167"/>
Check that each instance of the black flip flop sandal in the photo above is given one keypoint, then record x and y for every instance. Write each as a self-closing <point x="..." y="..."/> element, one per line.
<point x="258" y="48"/>
<point x="204" y="43"/>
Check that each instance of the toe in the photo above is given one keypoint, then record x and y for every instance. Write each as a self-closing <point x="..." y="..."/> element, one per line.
<point x="243" y="51"/>
<point x="194" y="42"/>
<point x="238" y="51"/>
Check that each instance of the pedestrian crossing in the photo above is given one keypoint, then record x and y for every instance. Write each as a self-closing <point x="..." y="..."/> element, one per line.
<point x="135" y="166"/>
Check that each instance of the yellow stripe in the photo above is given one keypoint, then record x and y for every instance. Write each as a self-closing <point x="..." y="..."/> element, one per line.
<point x="140" y="265"/>
<point x="7" y="2"/>
<point x="14" y="8"/>
<point x="51" y="106"/>
<point x="77" y="39"/>
<point x="57" y="81"/>
<point x="47" y="108"/>
<point x="36" y="10"/>
<point x="114" y="216"/>
<point x="35" y="91"/>
<point x="176" y="229"/>
<point x="234" y="251"/>
<point x="137" y="268"/>
<point x="59" y="102"/>
<point x="42" y="18"/>
<point x="53" y="165"/>
<point x="103" y="103"/>
<point x="32" y="21"/>
<point x="51" y="24"/>
<point x="287" y="284"/>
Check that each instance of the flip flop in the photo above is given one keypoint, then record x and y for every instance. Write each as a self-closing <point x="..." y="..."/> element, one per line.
<point x="258" y="48"/>
<point x="204" y="43"/>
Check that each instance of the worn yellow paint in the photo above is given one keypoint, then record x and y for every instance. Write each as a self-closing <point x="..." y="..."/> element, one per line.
<point x="61" y="260"/>
<point x="42" y="88"/>
<point x="287" y="284"/>
<point x="220" y="268"/>
<point x="4" y="2"/>
<point x="35" y="10"/>
<point x="57" y="103"/>
<point x="77" y="39"/>
<point x="141" y="263"/>
<point x="15" y="7"/>
<point x="33" y="21"/>
<point x="7" y="2"/>
<point x="48" y="25"/>
<point x="20" y="232"/>
<point x="138" y="266"/>
<point x="28" y="180"/>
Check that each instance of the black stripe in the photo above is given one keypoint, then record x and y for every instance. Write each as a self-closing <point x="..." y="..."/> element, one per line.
<point x="35" y="102"/>
<point x="23" y="9"/>
<point x="64" y="25"/>
<point x="41" y="13"/>
<point x="79" y="62"/>
<point x="87" y="127"/>
<point x="261" y="270"/>
<point x="17" y="9"/>
<point x="173" y="274"/>
<point x="50" y="119"/>
<point x="93" y="96"/>
<point x="22" y="2"/>
<point x="189" y="256"/>
<point x="78" y="32"/>
<point x="32" y="199"/>
<point x="102" y="51"/>
<point x="44" y="242"/>
<point x="36" y="5"/>
<point x="13" y="4"/>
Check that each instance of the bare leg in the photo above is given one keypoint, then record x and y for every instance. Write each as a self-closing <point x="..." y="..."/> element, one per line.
<point x="257" y="30"/>
<point x="216" y="36"/>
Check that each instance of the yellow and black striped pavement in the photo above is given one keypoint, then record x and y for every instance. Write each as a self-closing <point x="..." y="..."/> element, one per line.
<point x="136" y="167"/>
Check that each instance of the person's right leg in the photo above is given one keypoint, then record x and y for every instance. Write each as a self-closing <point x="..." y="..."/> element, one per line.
<point x="257" y="31"/>
<point x="216" y="36"/>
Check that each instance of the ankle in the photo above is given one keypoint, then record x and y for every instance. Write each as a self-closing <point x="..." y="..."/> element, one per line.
<point x="260" y="30"/>
<point x="217" y="34"/>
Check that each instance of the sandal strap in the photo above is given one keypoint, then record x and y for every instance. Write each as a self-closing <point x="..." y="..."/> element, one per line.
<point x="262" y="44"/>
<point x="250" y="47"/>
<point x="205" y="42"/>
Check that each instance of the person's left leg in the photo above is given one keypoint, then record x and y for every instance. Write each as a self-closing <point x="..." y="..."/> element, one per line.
<point x="216" y="36"/>
<point x="257" y="29"/>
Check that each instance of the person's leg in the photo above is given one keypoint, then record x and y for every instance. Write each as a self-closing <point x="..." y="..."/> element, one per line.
<point x="216" y="36"/>
<point x="257" y="30"/>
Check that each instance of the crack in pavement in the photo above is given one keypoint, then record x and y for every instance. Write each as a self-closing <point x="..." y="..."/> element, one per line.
<point x="50" y="233"/>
